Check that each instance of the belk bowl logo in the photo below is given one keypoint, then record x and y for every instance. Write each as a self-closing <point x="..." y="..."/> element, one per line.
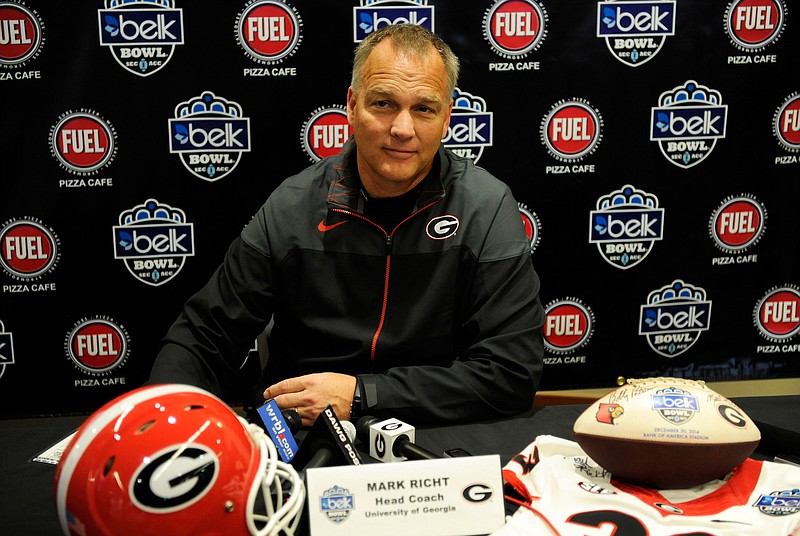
<point x="673" y="317"/>
<point x="786" y="123"/>
<point x="268" y="31"/>
<point x="569" y="325"/>
<point x="29" y="249"/>
<point x="21" y="38"/>
<point x="514" y="28"/>
<point x="154" y="240"/>
<point x="571" y="130"/>
<point x="738" y="223"/>
<point x="337" y="503"/>
<point x="777" y="314"/>
<point x="325" y="132"/>
<point x="753" y="24"/>
<point x="625" y="226"/>
<point x="97" y="345"/>
<point x="373" y="15"/>
<point x="531" y="224"/>
<point x="635" y="31"/>
<point x="687" y="123"/>
<point x="141" y="34"/>
<point x="675" y="406"/>
<point x="210" y="135"/>
<point x="83" y="142"/>
<point x="6" y="349"/>
<point x="470" y="129"/>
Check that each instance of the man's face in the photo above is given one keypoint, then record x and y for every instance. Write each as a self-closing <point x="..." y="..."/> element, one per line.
<point x="399" y="118"/>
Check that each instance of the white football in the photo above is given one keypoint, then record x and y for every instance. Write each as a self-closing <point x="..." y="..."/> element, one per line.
<point x="666" y="433"/>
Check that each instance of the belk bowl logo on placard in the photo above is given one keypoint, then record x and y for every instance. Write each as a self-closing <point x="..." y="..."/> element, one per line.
<point x="738" y="223"/>
<point x="337" y="503"/>
<point x="674" y="317"/>
<point x="6" y="349"/>
<point x="154" y="240"/>
<point x="141" y="34"/>
<point x="470" y="129"/>
<point x="268" y="31"/>
<point x="753" y="24"/>
<point x="29" y="249"/>
<point x="21" y="38"/>
<point x="325" y="132"/>
<point x="515" y="28"/>
<point x="625" y="226"/>
<point x="373" y="15"/>
<point x="571" y="130"/>
<point x="687" y="123"/>
<point x="97" y="346"/>
<point x="635" y="31"/>
<point x="786" y="123"/>
<point x="210" y="134"/>
<point x="777" y="313"/>
<point x="532" y="225"/>
<point x="83" y="142"/>
<point x="674" y="405"/>
<point x="569" y="325"/>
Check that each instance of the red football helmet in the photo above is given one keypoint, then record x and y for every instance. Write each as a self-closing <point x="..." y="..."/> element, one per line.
<point x="174" y="459"/>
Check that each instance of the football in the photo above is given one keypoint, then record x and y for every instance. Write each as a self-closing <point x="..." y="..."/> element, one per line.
<point x="666" y="433"/>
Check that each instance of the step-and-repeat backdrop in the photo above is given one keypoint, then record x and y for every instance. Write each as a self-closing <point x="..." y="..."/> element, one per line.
<point x="652" y="146"/>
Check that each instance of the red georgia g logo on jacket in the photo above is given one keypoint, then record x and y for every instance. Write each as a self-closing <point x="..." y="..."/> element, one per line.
<point x="442" y="227"/>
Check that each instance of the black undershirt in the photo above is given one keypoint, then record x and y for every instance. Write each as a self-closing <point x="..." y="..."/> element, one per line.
<point x="390" y="211"/>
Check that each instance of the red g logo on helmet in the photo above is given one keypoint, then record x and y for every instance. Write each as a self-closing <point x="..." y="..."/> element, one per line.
<point x="442" y="227"/>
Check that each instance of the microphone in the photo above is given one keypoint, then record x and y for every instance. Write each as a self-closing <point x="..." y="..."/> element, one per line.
<point x="391" y="440"/>
<point x="281" y="425"/>
<point x="329" y="442"/>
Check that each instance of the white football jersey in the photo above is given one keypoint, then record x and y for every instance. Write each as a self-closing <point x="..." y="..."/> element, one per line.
<point x="563" y="492"/>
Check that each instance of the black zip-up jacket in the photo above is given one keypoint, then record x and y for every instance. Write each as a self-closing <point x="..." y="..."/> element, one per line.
<point x="439" y="317"/>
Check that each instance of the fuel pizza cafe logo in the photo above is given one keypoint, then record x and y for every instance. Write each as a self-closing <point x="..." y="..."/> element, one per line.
<point x="515" y="28"/>
<point x="674" y="317"/>
<point x="97" y="346"/>
<point x="569" y="324"/>
<point x="21" y="37"/>
<point x="373" y="15"/>
<point x="786" y="127"/>
<point x="6" y="349"/>
<point x="738" y="223"/>
<point x="325" y="132"/>
<point x="471" y="126"/>
<point x="83" y="142"/>
<point x="626" y="225"/>
<point x="571" y="130"/>
<point x="635" y="31"/>
<point x="687" y="123"/>
<point x="777" y="314"/>
<point x="30" y="250"/>
<point x="532" y="225"/>
<point x="141" y="34"/>
<point x="154" y="240"/>
<point x="268" y="32"/>
<point x="209" y="133"/>
<point x="751" y="25"/>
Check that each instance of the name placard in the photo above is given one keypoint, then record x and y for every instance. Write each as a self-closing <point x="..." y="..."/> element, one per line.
<point x="449" y="496"/>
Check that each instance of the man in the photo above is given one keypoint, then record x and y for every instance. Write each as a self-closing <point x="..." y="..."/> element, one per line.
<point x="398" y="275"/>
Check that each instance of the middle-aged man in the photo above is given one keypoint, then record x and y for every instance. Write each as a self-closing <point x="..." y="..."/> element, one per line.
<point x="398" y="274"/>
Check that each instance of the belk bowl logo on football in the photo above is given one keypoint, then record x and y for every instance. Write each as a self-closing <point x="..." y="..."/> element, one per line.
<point x="470" y="129"/>
<point x="154" y="240"/>
<point x="687" y="123"/>
<point x="373" y="15"/>
<point x="674" y="317"/>
<point x="625" y="226"/>
<point x="140" y="34"/>
<point x="635" y="31"/>
<point x="29" y="250"/>
<point x="515" y="28"/>
<point x="22" y="39"/>
<point x="325" y="132"/>
<point x="97" y="346"/>
<point x="268" y="32"/>
<point x="674" y="405"/>
<point x="83" y="142"/>
<point x="571" y="130"/>
<point x="210" y="134"/>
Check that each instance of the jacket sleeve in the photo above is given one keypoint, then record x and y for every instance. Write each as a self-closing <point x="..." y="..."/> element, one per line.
<point x="499" y="364"/>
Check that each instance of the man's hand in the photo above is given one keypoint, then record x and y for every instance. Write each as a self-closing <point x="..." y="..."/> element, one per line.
<point x="310" y="394"/>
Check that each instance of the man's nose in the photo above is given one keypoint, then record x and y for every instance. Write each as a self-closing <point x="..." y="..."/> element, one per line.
<point x="403" y="125"/>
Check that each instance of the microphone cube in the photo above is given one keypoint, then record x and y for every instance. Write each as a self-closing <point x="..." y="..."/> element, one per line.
<point x="384" y="435"/>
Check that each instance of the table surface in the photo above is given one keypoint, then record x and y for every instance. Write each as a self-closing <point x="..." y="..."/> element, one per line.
<point x="27" y="505"/>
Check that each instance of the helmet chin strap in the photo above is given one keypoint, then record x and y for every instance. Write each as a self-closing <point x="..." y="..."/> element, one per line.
<point x="284" y="506"/>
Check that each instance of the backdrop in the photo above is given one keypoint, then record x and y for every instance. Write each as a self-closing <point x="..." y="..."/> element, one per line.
<point x="652" y="145"/>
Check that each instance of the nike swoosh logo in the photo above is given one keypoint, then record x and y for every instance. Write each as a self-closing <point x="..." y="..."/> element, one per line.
<point x="324" y="228"/>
